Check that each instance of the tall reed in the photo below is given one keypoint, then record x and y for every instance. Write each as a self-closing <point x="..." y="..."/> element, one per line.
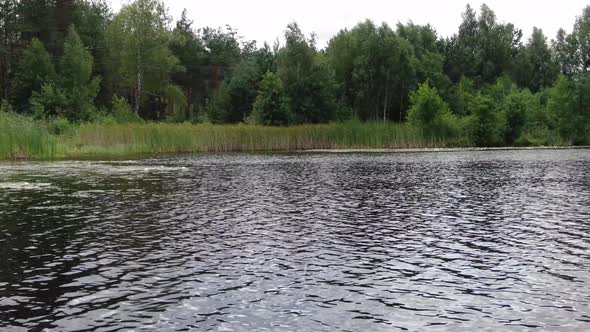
<point x="107" y="139"/>
<point x="23" y="138"/>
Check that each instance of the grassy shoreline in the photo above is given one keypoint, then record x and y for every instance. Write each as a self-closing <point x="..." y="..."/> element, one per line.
<point x="22" y="138"/>
<point x="112" y="140"/>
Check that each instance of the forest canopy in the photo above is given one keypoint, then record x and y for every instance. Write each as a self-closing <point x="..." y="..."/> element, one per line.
<point x="78" y="60"/>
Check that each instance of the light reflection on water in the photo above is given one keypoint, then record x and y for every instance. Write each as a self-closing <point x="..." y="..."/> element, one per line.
<point x="448" y="241"/>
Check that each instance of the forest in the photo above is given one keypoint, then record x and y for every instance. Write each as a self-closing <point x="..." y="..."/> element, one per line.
<point x="79" y="70"/>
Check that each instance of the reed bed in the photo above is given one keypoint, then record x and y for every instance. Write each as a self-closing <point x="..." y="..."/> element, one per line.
<point x="117" y="139"/>
<point x="22" y="137"/>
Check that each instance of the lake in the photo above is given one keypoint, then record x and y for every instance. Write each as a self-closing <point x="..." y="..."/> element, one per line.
<point x="298" y="242"/>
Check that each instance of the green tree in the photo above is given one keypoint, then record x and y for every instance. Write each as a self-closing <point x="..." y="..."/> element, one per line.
<point x="460" y="96"/>
<point x="34" y="69"/>
<point x="534" y="65"/>
<point x="139" y="40"/>
<point x="91" y="19"/>
<point x="190" y="50"/>
<point x="483" y="125"/>
<point x="483" y="50"/>
<point x="71" y="95"/>
<point x="461" y="58"/>
<point x="223" y="47"/>
<point x="582" y="35"/>
<point x="37" y="20"/>
<point x="516" y="109"/>
<point x="272" y="104"/>
<point x="572" y="52"/>
<point x="426" y="56"/>
<point x="374" y="69"/>
<point x="498" y="91"/>
<point x="308" y="80"/>
<point x="121" y="110"/>
<point x="564" y="49"/>
<point x="9" y="38"/>
<point x="430" y="113"/>
<point x="64" y="14"/>
<point x="233" y="101"/>
<point x="569" y="102"/>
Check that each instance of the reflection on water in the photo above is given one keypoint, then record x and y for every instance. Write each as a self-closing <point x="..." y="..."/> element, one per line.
<point x="449" y="241"/>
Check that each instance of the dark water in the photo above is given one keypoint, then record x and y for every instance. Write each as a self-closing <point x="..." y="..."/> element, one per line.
<point x="449" y="241"/>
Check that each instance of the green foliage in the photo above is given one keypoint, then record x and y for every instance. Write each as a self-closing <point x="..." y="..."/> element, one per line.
<point x="376" y="67"/>
<point x="309" y="83"/>
<point x="569" y="103"/>
<point x="91" y="19"/>
<point x="430" y="113"/>
<point x="461" y="95"/>
<point x="5" y="106"/>
<point x="49" y="102"/>
<point x="515" y="111"/>
<point x="190" y="50"/>
<point x="234" y="100"/>
<point x="21" y="137"/>
<point x="177" y="103"/>
<point x="121" y="111"/>
<point x="59" y="126"/>
<point x="483" y="49"/>
<point x="581" y="34"/>
<point x="482" y="125"/>
<point x="217" y="109"/>
<point x="565" y="48"/>
<point x="9" y="41"/>
<point x="500" y="89"/>
<point x="534" y="66"/>
<point x="71" y="95"/>
<point x="117" y="139"/>
<point x="485" y="87"/>
<point x="138" y="40"/>
<point x="35" y="69"/>
<point x="344" y="113"/>
<point x="272" y="105"/>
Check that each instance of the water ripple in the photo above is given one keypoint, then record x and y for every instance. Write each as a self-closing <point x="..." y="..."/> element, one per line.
<point x="450" y="241"/>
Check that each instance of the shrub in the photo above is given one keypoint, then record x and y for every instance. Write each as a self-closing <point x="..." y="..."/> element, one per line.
<point x="516" y="109"/>
<point x="121" y="111"/>
<point x="5" y="107"/>
<point x="482" y="125"/>
<point x="271" y="106"/>
<point x="569" y="103"/>
<point x="59" y="126"/>
<point x="431" y="114"/>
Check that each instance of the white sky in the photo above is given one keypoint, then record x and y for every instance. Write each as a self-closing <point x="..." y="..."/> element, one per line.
<point x="265" y="20"/>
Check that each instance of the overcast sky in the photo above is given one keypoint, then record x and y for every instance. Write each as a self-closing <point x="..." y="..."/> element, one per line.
<point x="265" y="20"/>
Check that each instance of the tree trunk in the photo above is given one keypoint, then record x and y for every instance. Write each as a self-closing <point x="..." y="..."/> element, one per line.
<point x="138" y="90"/>
<point x="385" y="104"/>
<point x="401" y="106"/>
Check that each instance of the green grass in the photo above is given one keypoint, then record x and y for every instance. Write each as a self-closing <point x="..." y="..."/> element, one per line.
<point x="102" y="139"/>
<point x="23" y="138"/>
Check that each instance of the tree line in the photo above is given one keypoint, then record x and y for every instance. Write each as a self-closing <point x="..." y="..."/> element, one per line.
<point x="79" y="60"/>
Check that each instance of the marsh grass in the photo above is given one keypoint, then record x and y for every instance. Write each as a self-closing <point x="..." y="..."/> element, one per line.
<point x="22" y="137"/>
<point x="116" y="139"/>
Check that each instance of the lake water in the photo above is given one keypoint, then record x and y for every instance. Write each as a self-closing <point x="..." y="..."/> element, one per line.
<point x="303" y="242"/>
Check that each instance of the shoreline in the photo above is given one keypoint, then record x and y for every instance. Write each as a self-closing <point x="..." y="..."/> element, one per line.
<point x="33" y="141"/>
<point x="140" y="156"/>
<point x="433" y="150"/>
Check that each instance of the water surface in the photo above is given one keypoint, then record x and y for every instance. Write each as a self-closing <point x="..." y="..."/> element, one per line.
<point x="360" y="242"/>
